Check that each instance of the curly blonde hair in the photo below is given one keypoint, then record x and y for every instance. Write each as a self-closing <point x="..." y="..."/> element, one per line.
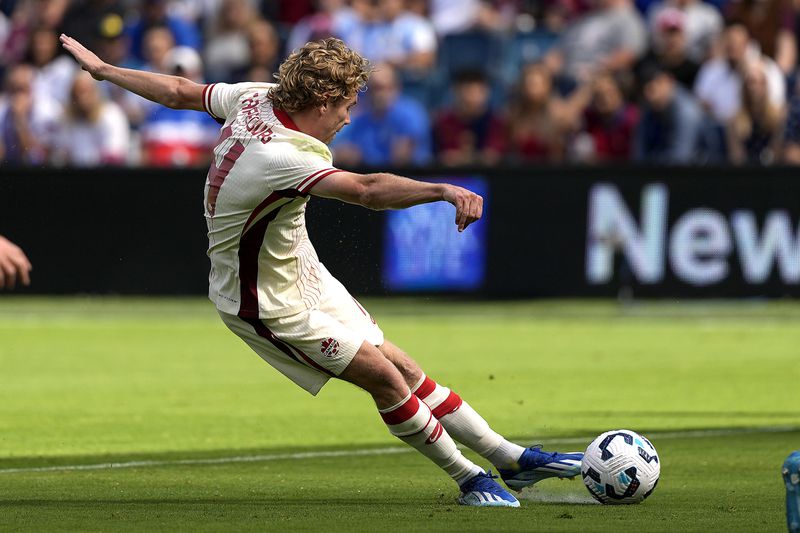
<point x="319" y="72"/>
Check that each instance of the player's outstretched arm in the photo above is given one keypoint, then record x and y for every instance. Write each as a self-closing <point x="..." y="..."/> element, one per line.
<point x="387" y="191"/>
<point x="170" y="91"/>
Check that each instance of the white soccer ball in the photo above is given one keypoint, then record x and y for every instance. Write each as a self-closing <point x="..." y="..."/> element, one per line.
<point x="620" y="466"/>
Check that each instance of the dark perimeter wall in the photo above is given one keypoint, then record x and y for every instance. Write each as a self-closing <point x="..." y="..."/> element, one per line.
<point x="660" y="232"/>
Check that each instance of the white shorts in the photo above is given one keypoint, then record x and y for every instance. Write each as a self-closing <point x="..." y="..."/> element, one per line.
<point x="314" y="345"/>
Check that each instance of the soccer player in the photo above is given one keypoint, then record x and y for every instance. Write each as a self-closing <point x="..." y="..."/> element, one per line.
<point x="267" y="282"/>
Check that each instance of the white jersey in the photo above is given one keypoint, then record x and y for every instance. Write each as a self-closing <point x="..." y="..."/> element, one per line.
<point x="262" y="262"/>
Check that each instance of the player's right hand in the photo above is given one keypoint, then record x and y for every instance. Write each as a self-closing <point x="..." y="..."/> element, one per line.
<point x="87" y="59"/>
<point x="469" y="206"/>
<point x="13" y="264"/>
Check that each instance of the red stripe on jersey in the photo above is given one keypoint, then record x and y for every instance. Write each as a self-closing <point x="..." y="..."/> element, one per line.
<point x="268" y="202"/>
<point x="318" y="179"/>
<point x="451" y="404"/>
<point x="205" y="92"/>
<point x="217" y="175"/>
<point x="309" y="177"/>
<point x="425" y="389"/>
<point x="285" y="119"/>
<point x="207" y="99"/>
<point x="402" y="413"/>
<point x="249" y="247"/>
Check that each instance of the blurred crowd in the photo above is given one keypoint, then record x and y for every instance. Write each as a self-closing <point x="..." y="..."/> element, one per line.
<point x="456" y="82"/>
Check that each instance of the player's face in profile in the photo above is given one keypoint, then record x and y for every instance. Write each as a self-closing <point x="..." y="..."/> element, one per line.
<point x="335" y="116"/>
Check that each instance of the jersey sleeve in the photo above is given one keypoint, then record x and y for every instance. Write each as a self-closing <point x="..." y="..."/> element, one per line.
<point x="219" y="99"/>
<point x="298" y="172"/>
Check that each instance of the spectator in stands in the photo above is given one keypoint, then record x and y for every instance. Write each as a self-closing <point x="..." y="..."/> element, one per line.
<point x="54" y="71"/>
<point x="94" y="131"/>
<point x="469" y="132"/>
<point x="362" y="30"/>
<point x="84" y="17"/>
<point x="199" y="13"/>
<point x="409" y="40"/>
<point x="287" y="12"/>
<point x="702" y="25"/>
<point x="458" y="16"/>
<point x="770" y="24"/>
<point x="154" y="14"/>
<point x="756" y="131"/>
<point x="334" y="18"/>
<point x="264" y="51"/>
<point x="14" y="265"/>
<point x="609" y="123"/>
<point x="669" y="48"/>
<point x="112" y="44"/>
<point x="536" y="128"/>
<point x="791" y="147"/>
<point x="179" y="137"/>
<point x="28" y="15"/>
<point x="387" y="32"/>
<point x="157" y="43"/>
<point x="454" y="16"/>
<point x="719" y="81"/>
<point x="392" y="130"/>
<point x="611" y="37"/>
<point x="227" y="50"/>
<point x="113" y="47"/>
<point x="5" y="31"/>
<point x="671" y="128"/>
<point x="26" y="130"/>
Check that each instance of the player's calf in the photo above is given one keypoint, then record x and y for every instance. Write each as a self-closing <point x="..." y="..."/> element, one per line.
<point x="466" y="425"/>
<point x="412" y="422"/>
<point x="405" y="415"/>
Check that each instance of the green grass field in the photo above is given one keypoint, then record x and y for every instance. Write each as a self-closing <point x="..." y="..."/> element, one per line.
<point x="204" y="436"/>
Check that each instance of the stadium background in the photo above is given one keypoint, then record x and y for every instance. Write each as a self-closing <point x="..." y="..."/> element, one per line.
<point x="606" y="179"/>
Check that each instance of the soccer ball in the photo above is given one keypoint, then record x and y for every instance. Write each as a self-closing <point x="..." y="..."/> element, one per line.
<point x="620" y="466"/>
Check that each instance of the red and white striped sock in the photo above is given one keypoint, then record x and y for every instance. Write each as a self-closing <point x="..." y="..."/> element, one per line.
<point x="466" y="425"/>
<point x="413" y="422"/>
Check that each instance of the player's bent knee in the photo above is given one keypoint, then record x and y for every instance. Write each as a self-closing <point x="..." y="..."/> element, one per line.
<point x="374" y="373"/>
<point x="409" y="368"/>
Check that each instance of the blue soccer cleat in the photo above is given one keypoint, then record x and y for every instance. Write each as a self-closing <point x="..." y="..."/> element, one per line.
<point x="535" y="465"/>
<point x="483" y="491"/>
<point x="791" y="476"/>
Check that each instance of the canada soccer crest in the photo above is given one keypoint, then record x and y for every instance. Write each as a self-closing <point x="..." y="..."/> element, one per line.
<point x="329" y="347"/>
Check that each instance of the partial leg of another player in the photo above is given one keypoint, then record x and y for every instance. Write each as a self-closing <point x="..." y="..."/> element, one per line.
<point x="518" y="466"/>
<point x="412" y="421"/>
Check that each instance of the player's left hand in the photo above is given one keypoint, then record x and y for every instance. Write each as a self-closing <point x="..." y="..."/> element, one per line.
<point x="13" y="264"/>
<point x="469" y="206"/>
<point x="87" y="59"/>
